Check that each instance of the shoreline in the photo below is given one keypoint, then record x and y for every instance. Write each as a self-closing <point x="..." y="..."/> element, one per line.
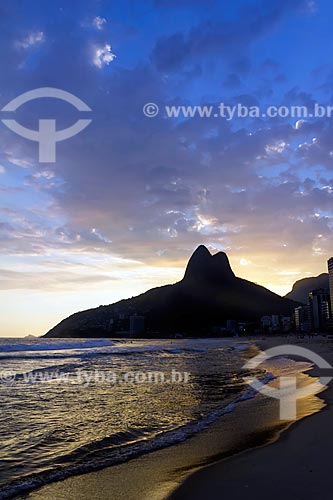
<point x="296" y="465"/>
<point x="167" y="472"/>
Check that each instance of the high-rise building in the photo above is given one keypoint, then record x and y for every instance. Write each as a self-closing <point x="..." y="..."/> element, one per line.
<point x="302" y="319"/>
<point x="319" y="306"/>
<point x="330" y="272"/>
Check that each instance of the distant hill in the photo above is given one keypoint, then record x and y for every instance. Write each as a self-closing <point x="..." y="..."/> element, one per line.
<point x="303" y="287"/>
<point x="207" y="296"/>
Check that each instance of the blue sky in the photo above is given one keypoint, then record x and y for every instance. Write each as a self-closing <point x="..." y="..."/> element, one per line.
<point x="130" y="197"/>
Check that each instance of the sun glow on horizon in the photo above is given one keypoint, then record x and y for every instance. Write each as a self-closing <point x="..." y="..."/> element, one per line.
<point x="46" y="292"/>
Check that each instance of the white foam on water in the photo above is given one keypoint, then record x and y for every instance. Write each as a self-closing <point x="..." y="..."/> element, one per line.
<point x="55" y="346"/>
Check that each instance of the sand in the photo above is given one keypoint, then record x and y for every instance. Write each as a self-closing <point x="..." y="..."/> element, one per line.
<point x="297" y="466"/>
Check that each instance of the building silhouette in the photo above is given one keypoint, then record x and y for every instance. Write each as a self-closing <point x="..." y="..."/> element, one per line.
<point x="330" y="273"/>
<point x="302" y="319"/>
<point x="319" y="308"/>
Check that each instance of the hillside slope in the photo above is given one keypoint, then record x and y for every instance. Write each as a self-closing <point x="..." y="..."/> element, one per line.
<point x="207" y="296"/>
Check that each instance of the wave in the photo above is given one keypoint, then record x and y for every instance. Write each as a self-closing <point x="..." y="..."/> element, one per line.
<point x="55" y="346"/>
<point x="129" y="445"/>
<point x="75" y="352"/>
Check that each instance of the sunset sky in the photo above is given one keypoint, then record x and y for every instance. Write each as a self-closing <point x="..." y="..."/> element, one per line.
<point x="130" y="197"/>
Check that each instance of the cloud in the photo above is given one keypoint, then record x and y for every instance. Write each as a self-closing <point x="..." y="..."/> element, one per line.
<point x="299" y="124"/>
<point x="103" y="56"/>
<point x="99" y="22"/>
<point x="46" y="280"/>
<point x="2" y="169"/>
<point x="33" y="38"/>
<point x="151" y="190"/>
<point x="220" y="36"/>
<point x="19" y="162"/>
<point x="276" y="148"/>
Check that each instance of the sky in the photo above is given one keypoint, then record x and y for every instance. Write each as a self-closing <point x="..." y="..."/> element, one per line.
<point x="129" y="198"/>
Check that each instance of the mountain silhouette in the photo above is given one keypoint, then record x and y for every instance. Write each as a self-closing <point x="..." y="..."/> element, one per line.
<point x="207" y="296"/>
<point x="303" y="287"/>
<point x="206" y="269"/>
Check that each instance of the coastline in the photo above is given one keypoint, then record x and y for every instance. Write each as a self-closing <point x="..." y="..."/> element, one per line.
<point x="294" y="466"/>
<point x="176" y="470"/>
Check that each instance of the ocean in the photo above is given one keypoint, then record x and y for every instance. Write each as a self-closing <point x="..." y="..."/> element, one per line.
<point x="73" y="406"/>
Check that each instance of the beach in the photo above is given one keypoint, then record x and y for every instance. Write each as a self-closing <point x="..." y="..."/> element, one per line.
<point x="297" y="466"/>
<point x="254" y="458"/>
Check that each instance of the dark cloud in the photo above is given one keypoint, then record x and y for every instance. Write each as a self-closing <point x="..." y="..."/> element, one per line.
<point x="221" y="37"/>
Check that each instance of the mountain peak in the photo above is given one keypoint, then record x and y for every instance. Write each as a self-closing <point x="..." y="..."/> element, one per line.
<point x="221" y="260"/>
<point x="206" y="268"/>
<point x="200" y="254"/>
